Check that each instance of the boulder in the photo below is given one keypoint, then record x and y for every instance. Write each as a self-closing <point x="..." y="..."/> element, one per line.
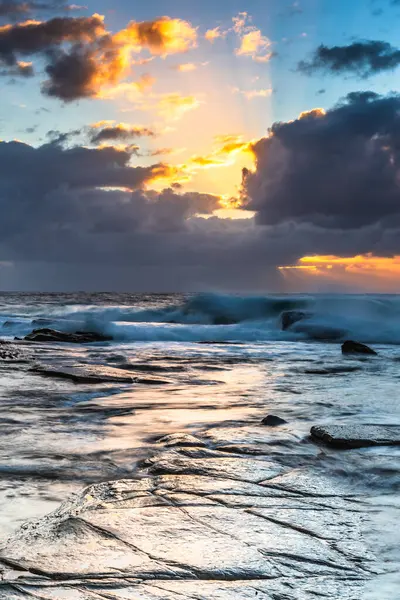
<point x="52" y="335"/>
<point x="273" y="421"/>
<point x="350" y="347"/>
<point x="290" y="317"/>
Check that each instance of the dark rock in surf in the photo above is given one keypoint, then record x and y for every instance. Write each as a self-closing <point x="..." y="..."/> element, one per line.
<point x="290" y="317"/>
<point x="273" y="421"/>
<point x="222" y="320"/>
<point x="8" y="324"/>
<point x="350" y="347"/>
<point x="52" y="335"/>
<point x="357" y="436"/>
<point x="42" y="321"/>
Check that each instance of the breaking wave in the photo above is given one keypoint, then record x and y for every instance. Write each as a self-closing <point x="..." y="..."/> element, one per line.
<point x="221" y="318"/>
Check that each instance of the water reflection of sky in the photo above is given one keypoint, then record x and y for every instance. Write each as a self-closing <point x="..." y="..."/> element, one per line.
<point x="57" y="436"/>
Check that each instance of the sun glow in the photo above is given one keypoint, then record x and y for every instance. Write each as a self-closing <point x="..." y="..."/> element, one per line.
<point x="365" y="270"/>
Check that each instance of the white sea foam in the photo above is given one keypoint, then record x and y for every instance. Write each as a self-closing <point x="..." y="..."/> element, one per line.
<point x="218" y="317"/>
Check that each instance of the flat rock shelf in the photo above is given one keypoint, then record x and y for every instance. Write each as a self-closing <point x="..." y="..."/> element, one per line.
<point x="200" y="522"/>
<point x="357" y="436"/>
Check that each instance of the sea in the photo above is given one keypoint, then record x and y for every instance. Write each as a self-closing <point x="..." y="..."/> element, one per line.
<point x="200" y="360"/>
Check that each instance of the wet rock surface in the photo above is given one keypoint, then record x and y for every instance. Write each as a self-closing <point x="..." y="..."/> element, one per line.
<point x="273" y="421"/>
<point x="86" y="373"/>
<point x="357" y="436"/>
<point x="11" y="353"/>
<point x="350" y="347"/>
<point x="52" y="335"/>
<point x="290" y="317"/>
<point x="215" y="516"/>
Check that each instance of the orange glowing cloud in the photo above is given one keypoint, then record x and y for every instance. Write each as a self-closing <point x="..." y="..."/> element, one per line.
<point x="252" y="42"/>
<point x="188" y="67"/>
<point x="256" y="45"/>
<point x="382" y="272"/>
<point x="252" y="94"/>
<point x="214" y="34"/>
<point x="161" y="37"/>
<point x="91" y="61"/>
<point x="229" y="148"/>
<point x="313" y="113"/>
<point x="174" y="106"/>
<point x="133" y="90"/>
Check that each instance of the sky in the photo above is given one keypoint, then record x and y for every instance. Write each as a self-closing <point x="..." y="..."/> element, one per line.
<point x="246" y="146"/>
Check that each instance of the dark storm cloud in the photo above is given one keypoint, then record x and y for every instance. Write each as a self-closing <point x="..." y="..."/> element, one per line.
<point x="35" y="172"/>
<point x="20" y="69"/>
<point x="362" y="58"/>
<point x="324" y="184"/>
<point x="335" y="170"/>
<point x="118" y="132"/>
<point x="31" y="37"/>
<point x="71" y="74"/>
<point x="15" y="9"/>
<point x="82" y="57"/>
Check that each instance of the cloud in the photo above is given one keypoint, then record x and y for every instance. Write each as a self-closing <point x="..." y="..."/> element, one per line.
<point x="83" y="58"/>
<point x="256" y="45"/>
<point x="335" y="169"/>
<point x="214" y="34"/>
<point x="189" y="67"/>
<point x="132" y="90"/>
<point x="174" y="106"/>
<point x="363" y="58"/>
<point x="228" y="149"/>
<point x="105" y="132"/>
<point x="252" y="94"/>
<point x="252" y="42"/>
<point x="186" y="67"/>
<point x="162" y="36"/>
<point x="51" y="167"/>
<point x="14" y="9"/>
<point x="70" y="211"/>
<point x="20" y="69"/>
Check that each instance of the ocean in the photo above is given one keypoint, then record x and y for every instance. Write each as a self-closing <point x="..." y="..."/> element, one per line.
<point x="197" y="361"/>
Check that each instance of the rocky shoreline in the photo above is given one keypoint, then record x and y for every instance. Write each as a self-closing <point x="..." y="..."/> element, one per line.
<point x="238" y="510"/>
<point x="216" y="516"/>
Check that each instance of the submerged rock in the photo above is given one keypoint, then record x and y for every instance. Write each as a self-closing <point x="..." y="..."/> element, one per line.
<point x="350" y="347"/>
<point x="290" y="317"/>
<point x="180" y="439"/>
<point x="357" y="436"/>
<point x="52" y="335"/>
<point x="273" y="421"/>
<point x="86" y="373"/>
<point x="10" y="352"/>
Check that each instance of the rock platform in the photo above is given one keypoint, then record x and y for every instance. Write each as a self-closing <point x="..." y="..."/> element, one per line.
<point x="218" y="517"/>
